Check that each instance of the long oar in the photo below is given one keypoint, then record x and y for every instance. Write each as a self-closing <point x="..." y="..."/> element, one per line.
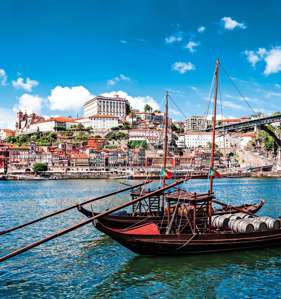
<point x="71" y="207"/>
<point x="65" y="231"/>
<point x="233" y="207"/>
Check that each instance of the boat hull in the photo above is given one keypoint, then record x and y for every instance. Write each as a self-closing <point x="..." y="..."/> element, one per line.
<point x="187" y="244"/>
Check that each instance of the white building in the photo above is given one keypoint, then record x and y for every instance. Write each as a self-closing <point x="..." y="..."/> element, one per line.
<point x="50" y="125"/>
<point x="100" y="105"/>
<point x="196" y="123"/>
<point x="100" y="122"/>
<point x="195" y="139"/>
<point x="149" y="135"/>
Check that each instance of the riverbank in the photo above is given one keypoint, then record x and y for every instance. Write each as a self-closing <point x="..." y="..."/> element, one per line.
<point x="155" y="175"/>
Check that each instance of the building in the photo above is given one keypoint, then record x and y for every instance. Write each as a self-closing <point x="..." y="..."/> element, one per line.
<point x="99" y="122"/>
<point x="50" y="125"/>
<point x="101" y="105"/>
<point x="5" y="133"/>
<point x="24" y="120"/>
<point x="149" y="135"/>
<point x="196" y="123"/>
<point x="230" y="121"/>
<point x="196" y="139"/>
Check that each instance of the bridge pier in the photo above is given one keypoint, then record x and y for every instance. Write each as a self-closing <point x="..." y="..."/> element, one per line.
<point x="277" y="142"/>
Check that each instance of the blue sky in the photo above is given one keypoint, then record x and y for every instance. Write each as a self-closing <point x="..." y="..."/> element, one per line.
<point x="54" y="55"/>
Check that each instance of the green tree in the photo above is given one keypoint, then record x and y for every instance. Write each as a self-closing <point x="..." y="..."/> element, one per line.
<point x="128" y="108"/>
<point x="39" y="167"/>
<point x="132" y="144"/>
<point x="147" y="108"/>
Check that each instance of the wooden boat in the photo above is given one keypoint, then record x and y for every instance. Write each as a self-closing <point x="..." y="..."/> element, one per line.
<point x="124" y="219"/>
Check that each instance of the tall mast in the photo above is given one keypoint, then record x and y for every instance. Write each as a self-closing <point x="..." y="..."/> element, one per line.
<point x="212" y="162"/>
<point x="165" y="137"/>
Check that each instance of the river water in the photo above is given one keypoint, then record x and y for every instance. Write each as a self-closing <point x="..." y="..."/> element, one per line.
<point x="87" y="264"/>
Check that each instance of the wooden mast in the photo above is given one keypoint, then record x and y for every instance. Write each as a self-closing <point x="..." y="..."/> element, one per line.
<point x="214" y="119"/>
<point x="165" y="137"/>
<point x="165" y="149"/>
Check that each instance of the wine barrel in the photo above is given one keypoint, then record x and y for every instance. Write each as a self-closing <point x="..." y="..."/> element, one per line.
<point x="259" y="225"/>
<point x="270" y="222"/>
<point x="241" y="226"/>
<point x="220" y="221"/>
<point x="244" y="215"/>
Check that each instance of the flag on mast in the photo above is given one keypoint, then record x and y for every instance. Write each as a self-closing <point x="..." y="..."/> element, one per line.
<point x="214" y="173"/>
<point x="166" y="173"/>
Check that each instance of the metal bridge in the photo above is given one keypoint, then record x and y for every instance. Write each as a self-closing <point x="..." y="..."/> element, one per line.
<point x="249" y="124"/>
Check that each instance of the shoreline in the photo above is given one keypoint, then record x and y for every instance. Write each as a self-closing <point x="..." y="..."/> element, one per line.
<point x="111" y="176"/>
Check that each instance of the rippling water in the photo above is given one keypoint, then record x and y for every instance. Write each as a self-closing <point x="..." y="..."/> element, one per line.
<point x="87" y="264"/>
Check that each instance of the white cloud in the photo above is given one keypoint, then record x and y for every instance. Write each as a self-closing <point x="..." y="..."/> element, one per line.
<point x="68" y="98"/>
<point x="116" y="79"/>
<point x="173" y="39"/>
<point x="137" y="102"/>
<point x="29" y="103"/>
<point x="252" y="57"/>
<point x="271" y="58"/>
<point x="273" y="61"/>
<point x="122" y="41"/>
<point x="27" y="85"/>
<point x="7" y="118"/>
<point x="183" y="67"/>
<point x="191" y="45"/>
<point x="230" y="24"/>
<point x="201" y="29"/>
<point x="3" y="77"/>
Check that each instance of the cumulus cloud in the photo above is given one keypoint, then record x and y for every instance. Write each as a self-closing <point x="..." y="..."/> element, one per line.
<point x="7" y="118"/>
<point x="273" y="61"/>
<point x="231" y="24"/>
<point x="29" y="103"/>
<point x="183" y="67"/>
<point x="136" y="102"/>
<point x="271" y="58"/>
<point x="201" y="29"/>
<point x="252" y="57"/>
<point x="3" y="77"/>
<point x="26" y="84"/>
<point x="173" y="39"/>
<point x="117" y="79"/>
<point x="68" y="98"/>
<point x="191" y="45"/>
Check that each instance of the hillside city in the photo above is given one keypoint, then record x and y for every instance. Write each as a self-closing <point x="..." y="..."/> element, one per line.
<point x="114" y="140"/>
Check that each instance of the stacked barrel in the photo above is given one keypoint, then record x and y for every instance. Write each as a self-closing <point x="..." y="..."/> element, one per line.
<point x="244" y="223"/>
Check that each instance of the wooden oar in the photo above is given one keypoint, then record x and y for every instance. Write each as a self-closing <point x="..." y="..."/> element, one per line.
<point x="71" y="207"/>
<point x="89" y="220"/>
<point x="233" y="207"/>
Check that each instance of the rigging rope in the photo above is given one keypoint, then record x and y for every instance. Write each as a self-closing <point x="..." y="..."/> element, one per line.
<point x="238" y="90"/>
